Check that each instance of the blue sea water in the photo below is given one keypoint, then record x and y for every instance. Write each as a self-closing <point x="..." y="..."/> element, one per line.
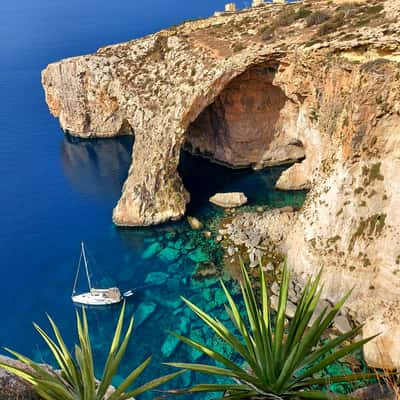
<point x="56" y="191"/>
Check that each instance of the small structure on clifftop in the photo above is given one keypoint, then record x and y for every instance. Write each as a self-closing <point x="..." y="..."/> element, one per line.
<point x="230" y="7"/>
<point x="257" y="3"/>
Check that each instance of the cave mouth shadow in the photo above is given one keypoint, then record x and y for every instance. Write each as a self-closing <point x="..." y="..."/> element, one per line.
<point x="203" y="178"/>
<point x="97" y="167"/>
<point x="242" y="123"/>
<point x="238" y="135"/>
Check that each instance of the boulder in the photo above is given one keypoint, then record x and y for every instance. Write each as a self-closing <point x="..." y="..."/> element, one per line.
<point x="384" y="351"/>
<point x="342" y="324"/>
<point x="229" y="200"/>
<point x="194" y="223"/>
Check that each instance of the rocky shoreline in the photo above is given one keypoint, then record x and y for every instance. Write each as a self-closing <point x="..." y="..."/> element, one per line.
<point x="246" y="238"/>
<point x="262" y="236"/>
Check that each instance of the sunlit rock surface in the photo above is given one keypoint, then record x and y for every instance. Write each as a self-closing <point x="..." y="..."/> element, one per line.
<point x="227" y="200"/>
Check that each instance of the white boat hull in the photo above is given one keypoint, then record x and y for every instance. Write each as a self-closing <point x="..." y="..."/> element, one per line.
<point x="98" y="297"/>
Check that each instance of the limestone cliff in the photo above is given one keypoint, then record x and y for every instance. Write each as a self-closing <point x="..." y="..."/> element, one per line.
<point x="316" y="82"/>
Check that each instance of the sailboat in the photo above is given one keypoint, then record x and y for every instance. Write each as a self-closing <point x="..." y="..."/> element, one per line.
<point x="95" y="297"/>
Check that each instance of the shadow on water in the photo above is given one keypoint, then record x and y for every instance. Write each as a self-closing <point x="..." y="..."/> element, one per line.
<point x="97" y="167"/>
<point x="203" y="179"/>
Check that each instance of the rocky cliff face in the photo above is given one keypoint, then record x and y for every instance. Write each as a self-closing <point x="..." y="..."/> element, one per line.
<point x="313" y="82"/>
<point x="12" y="387"/>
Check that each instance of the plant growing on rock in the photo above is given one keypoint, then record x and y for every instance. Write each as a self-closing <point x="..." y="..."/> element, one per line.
<point x="317" y="17"/>
<point x="280" y="362"/>
<point x="76" y="379"/>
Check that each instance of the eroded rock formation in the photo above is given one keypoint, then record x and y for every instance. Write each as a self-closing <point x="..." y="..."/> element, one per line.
<point x="240" y="126"/>
<point x="263" y="87"/>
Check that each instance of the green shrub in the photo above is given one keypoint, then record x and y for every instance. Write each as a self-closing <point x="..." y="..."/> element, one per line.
<point x="303" y="12"/>
<point x="76" y="379"/>
<point x="268" y="34"/>
<point x="264" y="28"/>
<point x="238" y="47"/>
<point x="280" y="362"/>
<point x="374" y="9"/>
<point x="350" y="5"/>
<point x="350" y="8"/>
<point x="286" y="18"/>
<point x="317" y="18"/>
<point x="332" y="25"/>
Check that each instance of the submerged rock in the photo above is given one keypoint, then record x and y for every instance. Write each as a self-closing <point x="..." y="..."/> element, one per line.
<point x="207" y="294"/>
<point x="169" y="346"/>
<point x="198" y="336"/>
<point x="205" y="269"/>
<point x="173" y="284"/>
<point x="143" y="312"/>
<point x="229" y="200"/>
<point x="219" y="297"/>
<point x="172" y="303"/>
<point x="198" y="256"/>
<point x="152" y="250"/>
<point x="156" y="278"/>
<point x="183" y="326"/>
<point x="169" y="255"/>
<point x="126" y="274"/>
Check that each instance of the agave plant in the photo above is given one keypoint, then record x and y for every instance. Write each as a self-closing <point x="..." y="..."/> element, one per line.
<point x="276" y="362"/>
<point x="76" y="379"/>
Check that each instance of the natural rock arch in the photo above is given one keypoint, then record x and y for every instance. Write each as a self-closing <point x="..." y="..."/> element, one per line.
<point x="238" y="122"/>
<point x="242" y="127"/>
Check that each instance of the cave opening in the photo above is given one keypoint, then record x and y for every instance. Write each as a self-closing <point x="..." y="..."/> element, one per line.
<point x="245" y="125"/>
<point x="203" y="179"/>
<point x="237" y="136"/>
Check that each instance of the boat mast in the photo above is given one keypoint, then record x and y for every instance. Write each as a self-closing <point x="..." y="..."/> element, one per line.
<point x="86" y="266"/>
<point x="77" y="275"/>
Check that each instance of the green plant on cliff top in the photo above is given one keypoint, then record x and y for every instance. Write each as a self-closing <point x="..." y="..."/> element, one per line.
<point x="283" y="362"/>
<point x="76" y="379"/>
